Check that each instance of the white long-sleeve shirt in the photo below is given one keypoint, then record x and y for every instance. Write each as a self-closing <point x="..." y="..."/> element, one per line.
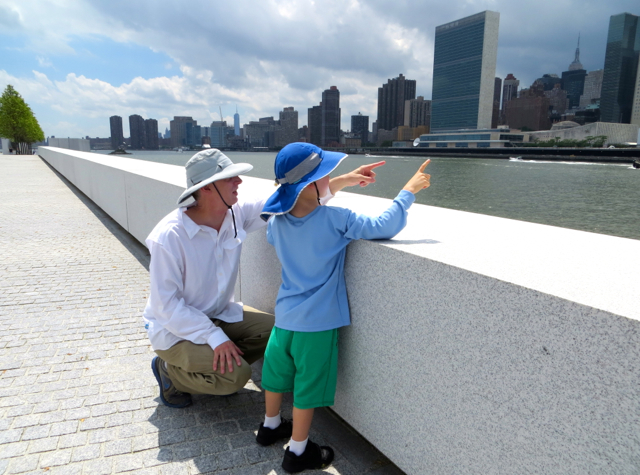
<point x="193" y="274"/>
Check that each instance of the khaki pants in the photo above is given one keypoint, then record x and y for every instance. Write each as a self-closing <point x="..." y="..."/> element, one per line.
<point x="190" y="366"/>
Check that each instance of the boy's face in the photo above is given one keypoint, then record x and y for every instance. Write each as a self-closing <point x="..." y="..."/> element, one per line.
<point x="323" y="186"/>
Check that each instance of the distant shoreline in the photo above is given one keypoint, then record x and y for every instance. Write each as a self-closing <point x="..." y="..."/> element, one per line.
<point x="605" y="155"/>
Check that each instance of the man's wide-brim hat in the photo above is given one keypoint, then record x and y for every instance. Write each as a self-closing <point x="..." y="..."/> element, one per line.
<point x="297" y="165"/>
<point x="208" y="166"/>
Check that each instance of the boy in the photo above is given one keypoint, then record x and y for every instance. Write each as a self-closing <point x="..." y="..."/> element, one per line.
<point x="311" y="240"/>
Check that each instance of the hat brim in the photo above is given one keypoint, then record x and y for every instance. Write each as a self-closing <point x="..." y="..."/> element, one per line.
<point x="286" y="196"/>
<point x="229" y="172"/>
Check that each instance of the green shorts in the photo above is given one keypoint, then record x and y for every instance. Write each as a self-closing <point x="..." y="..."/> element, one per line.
<point x="304" y="363"/>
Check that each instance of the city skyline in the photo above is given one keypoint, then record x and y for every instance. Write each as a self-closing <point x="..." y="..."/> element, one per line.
<point x="98" y="65"/>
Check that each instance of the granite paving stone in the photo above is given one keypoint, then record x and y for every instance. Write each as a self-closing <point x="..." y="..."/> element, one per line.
<point x="76" y="392"/>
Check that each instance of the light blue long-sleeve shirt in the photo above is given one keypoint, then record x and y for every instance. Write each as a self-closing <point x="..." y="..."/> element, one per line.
<point x="311" y="249"/>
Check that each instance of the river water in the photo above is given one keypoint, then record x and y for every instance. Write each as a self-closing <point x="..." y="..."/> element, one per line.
<point x="600" y="198"/>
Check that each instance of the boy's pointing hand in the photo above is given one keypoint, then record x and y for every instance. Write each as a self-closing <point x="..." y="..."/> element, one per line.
<point x="419" y="181"/>
<point x="362" y="176"/>
<point x="366" y="172"/>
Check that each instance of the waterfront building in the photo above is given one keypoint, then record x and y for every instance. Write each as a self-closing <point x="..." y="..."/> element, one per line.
<point x="615" y="133"/>
<point x="557" y="99"/>
<point x="137" y="132"/>
<point x="330" y="116"/>
<point x="236" y="123"/>
<point x="592" y="88"/>
<point x="392" y="97"/>
<point x="530" y="111"/>
<point x="388" y="136"/>
<point x="497" y="91"/>
<point x="217" y="133"/>
<point x="314" y="122"/>
<point x="167" y="133"/>
<point x="287" y="130"/>
<point x="117" y="137"/>
<point x="260" y="133"/>
<point x="360" y="127"/>
<point x="182" y="131"/>
<point x="351" y="140"/>
<point x="509" y="90"/>
<point x="635" y="111"/>
<point x="151" y="134"/>
<point x="417" y="112"/>
<point x="479" y="138"/>
<point x="408" y="134"/>
<point x="620" y="68"/>
<point x="464" y="68"/>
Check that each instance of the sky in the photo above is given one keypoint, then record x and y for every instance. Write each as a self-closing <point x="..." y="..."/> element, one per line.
<point x="78" y="62"/>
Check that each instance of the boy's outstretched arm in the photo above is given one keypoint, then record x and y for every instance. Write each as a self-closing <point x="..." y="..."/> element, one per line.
<point x="362" y="176"/>
<point x="394" y="219"/>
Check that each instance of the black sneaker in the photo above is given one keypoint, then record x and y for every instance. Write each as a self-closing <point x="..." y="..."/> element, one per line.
<point x="169" y="395"/>
<point x="314" y="458"/>
<point x="268" y="436"/>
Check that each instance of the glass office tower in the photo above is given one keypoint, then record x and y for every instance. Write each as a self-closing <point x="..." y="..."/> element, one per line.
<point x="464" y="68"/>
<point x="620" y="68"/>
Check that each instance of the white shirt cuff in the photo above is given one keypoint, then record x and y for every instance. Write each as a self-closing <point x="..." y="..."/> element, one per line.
<point x="218" y="337"/>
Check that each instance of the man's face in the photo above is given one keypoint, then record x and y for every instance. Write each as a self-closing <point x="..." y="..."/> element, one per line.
<point x="228" y="188"/>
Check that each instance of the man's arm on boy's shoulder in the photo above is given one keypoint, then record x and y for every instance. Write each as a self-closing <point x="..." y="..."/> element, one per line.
<point x="362" y="176"/>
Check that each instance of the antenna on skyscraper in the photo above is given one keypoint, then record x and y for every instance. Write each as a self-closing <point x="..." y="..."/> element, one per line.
<point x="220" y="113"/>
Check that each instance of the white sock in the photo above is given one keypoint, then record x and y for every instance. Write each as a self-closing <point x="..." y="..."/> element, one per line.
<point x="298" y="447"/>
<point x="272" y="422"/>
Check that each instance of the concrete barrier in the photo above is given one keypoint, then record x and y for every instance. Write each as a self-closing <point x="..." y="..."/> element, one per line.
<point x="477" y="345"/>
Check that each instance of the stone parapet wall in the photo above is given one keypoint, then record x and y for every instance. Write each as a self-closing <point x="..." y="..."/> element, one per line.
<point x="478" y="344"/>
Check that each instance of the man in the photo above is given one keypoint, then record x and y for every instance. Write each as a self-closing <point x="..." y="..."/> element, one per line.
<point x="205" y="341"/>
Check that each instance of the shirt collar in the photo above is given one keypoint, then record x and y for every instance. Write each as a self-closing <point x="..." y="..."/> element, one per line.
<point x="192" y="228"/>
<point x="189" y="225"/>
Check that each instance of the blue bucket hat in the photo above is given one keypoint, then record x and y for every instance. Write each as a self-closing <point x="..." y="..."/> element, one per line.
<point x="297" y="165"/>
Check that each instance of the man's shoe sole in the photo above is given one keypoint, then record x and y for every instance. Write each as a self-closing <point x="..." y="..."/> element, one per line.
<point x="156" y="373"/>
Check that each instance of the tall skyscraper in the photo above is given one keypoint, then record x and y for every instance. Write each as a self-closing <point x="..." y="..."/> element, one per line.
<point x="620" y="68"/>
<point x="151" y="134"/>
<point x="217" y="133"/>
<point x="181" y="128"/>
<point x="635" y="112"/>
<point x="464" y="69"/>
<point x="497" y="91"/>
<point x="509" y="89"/>
<point x="236" y="123"/>
<point x="592" y="87"/>
<point x="314" y="122"/>
<point x="391" y="100"/>
<point x="137" y="131"/>
<point x="573" y="79"/>
<point x="330" y="116"/>
<point x="117" y="137"/>
<point x="360" y="126"/>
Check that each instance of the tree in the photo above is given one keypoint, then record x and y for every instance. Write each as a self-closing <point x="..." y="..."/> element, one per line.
<point x="17" y="122"/>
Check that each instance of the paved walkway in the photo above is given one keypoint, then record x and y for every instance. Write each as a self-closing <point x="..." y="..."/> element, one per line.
<point x="77" y="395"/>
